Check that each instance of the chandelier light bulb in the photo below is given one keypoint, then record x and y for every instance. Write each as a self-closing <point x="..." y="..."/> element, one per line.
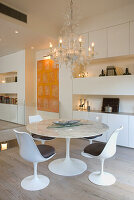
<point x="50" y="45"/>
<point x="92" y="44"/>
<point x="89" y="49"/>
<point x="60" y="41"/>
<point x="80" y="39"/>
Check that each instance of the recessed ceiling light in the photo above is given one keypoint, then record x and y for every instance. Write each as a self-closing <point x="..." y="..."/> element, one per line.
<point x="16" y="32"/>
<point x="32" y="47"/>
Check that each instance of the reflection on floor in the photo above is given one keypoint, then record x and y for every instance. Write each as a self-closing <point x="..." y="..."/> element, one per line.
<point x="6" y="130"/>
<point x="7" y="125"/>
<point x="13" y="169"/>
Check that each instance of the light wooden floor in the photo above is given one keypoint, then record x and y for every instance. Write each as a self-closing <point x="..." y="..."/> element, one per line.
<point x="13" y="169"/>
<point x="6" y="130"/>
<point x="4" y="125"/>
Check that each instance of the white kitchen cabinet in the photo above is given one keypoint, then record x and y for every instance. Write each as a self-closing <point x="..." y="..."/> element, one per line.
<point x="118" y="40"/>
<point x="100" y="39"/>
<point x="99" y="117"/>
<point x="114" y="122"/>
<point x="80" y="115"/>
<point x="132" y="37"/>
<point x="131" y="131"/>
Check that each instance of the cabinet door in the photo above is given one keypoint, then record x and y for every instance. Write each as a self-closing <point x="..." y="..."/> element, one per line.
<point x="131" y="37"/>
<point x="118" y="40"/>
<point x="80" y="115"/>
<point x="100" y="40"/>
<point x="131" y="131"/>
<point x="114" y="122"/>
<point x="99" y="117"/>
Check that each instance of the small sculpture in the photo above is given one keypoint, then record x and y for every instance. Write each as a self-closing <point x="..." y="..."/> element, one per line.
<point x="102" y="73"/>
<point x="127" y="72"/>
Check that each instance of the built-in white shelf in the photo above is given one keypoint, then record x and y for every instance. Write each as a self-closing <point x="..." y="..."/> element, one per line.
<point x="107" y="85"/>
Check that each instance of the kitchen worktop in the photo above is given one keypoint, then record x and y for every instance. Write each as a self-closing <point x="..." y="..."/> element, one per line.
<point x="99" y="111"/>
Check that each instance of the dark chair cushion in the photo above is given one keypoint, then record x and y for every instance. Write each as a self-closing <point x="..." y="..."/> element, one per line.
<point x="46" y="150"/>
<point x="94" y="149"/>
<point x="92" y="137"/>
<point x="42" y="137"/>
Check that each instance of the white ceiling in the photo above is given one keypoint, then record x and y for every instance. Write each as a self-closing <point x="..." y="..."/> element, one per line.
<point x="45" y="17"/>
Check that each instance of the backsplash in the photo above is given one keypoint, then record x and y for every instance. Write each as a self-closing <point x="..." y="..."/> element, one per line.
<point x="95" y="102"/>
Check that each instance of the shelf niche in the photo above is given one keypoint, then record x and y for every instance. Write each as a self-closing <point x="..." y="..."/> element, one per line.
<point x="8" y="98"/>
<point x="8" y="77"/>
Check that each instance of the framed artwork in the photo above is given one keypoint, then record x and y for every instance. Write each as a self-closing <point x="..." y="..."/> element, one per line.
<point x="111" y="71"/>
<point x="47" y="86"/>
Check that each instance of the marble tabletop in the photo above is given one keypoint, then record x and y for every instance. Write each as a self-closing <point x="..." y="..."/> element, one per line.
<point x="90" y="128"/>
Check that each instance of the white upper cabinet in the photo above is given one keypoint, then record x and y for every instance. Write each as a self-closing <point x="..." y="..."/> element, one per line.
<point x="100" y="39"/>
<point x="118" y="40"/>
<point x="132" y="37"/>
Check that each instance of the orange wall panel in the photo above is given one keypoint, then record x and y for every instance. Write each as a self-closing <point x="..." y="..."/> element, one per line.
<point x="47" y="86"/>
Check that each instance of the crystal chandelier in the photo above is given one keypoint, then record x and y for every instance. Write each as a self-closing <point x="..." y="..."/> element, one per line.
<point x="71" y="49"/>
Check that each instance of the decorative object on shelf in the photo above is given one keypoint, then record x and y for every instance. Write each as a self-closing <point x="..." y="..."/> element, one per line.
<point x="108" y="109"/>
<point x="79" y="71"/>
<point x="8" y="100"/>
<point x="102" y="73"/>
<point x="15" y="78"/>
<point x="127" y="72"/>
<point x="119" y="70"/>
<point x="82" y="105"/>
<point x="111" y="71"/>
<point x="71" y="48"/>
<point x="88" y="107"/>
<point x="111" y="102"/>
<point x="83" y="74"/>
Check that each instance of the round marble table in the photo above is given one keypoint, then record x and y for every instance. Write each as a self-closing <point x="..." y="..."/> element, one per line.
<point x="68" y="166"/>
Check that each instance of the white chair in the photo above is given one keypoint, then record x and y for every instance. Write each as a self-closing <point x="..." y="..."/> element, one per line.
<point x="102" y="151"/>
<point x="97" y="119"/>
<point x="42" y="139"/>
<point x="35" y="154"/>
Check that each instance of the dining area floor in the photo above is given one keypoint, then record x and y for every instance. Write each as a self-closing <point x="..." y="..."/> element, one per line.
<point x="13" y="169"/>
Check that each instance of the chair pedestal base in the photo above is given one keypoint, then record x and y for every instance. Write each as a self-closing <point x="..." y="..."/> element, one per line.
<point x="103" y="179"/>
<point x="86" y="155"/>
<point x="32" y="184"/>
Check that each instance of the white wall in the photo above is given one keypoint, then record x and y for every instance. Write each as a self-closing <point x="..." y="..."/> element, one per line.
<point x="65" y="92"/>
<point x="30" y="84"/>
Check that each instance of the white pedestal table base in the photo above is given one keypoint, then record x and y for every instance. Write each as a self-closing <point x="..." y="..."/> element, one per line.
<point x="67" y="166"/>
